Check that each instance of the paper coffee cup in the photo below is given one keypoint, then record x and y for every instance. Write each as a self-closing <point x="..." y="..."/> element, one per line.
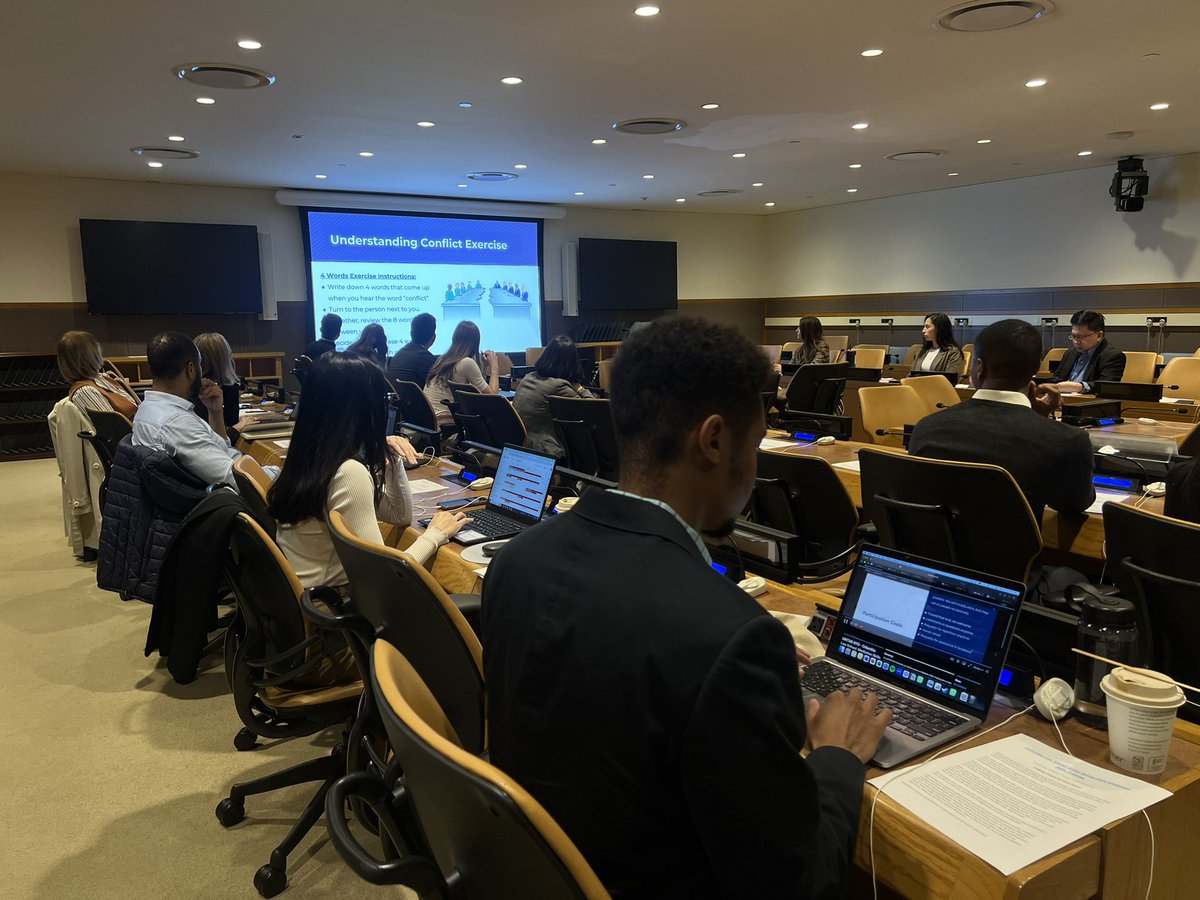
<point x="1141" y="718"/>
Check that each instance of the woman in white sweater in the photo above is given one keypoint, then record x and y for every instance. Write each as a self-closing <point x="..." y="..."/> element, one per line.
<point x="341" y="459"/>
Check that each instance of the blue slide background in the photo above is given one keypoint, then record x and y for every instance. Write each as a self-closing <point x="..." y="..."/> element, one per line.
<point x="407" y="271"/>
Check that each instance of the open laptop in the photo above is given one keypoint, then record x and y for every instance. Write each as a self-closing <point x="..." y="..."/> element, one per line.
<point x="517" y="499"/>
<point x="928" y="637"/>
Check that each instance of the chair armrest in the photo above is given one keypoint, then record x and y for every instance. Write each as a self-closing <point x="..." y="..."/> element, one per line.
<point x="336" y="614"/>
<point x="842" y="561"/>
<point x="867" y="533"/>
<point x="468" y="604"/>
<point x="416" y="872"/>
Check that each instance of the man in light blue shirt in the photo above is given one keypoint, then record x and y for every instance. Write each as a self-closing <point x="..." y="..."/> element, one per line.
<point x="167" y="420"/>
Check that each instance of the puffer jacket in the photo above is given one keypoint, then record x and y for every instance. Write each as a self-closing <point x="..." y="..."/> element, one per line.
<point x="149" y="494"/>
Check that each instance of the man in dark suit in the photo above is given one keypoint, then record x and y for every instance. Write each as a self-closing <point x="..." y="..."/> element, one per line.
<point x="1007" y="423"/>
<point x="331" y="328"/>
<point x="652" y="706"/>
<point x="1091" y="358"/>
<point x="413" y="361"/>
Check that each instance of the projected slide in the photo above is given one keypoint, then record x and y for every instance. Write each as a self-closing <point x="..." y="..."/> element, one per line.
<point x="377" y="267"/>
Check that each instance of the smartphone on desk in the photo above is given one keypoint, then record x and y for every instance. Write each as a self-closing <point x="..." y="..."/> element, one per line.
<point x="459" y="504"/>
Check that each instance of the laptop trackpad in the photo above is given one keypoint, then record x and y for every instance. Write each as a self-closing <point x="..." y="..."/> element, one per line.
<point x="468" y="535"/>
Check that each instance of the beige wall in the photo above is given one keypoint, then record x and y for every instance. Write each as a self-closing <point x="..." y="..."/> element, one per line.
<point x="1049" y="231"/>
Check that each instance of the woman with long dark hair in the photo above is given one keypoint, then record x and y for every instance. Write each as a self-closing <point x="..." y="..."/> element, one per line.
<point x="557" y="374"/>
<point x="372" y="345"/>
<point x="940" y="352"/>
<point x="813" y="348"/>
<point x="462" y="363"/>
<point x="341" y="459"/>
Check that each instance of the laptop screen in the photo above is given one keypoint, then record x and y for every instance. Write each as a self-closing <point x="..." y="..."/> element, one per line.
<point x="522" y="482"/>
<point x="937" y="631"/>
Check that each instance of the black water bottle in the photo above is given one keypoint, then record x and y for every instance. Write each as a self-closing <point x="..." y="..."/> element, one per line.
<point x="1107" y="627"/>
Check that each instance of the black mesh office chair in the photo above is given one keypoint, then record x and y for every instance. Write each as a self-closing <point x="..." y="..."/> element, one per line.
<point x="588" y="435"/>
<point x="418" y="420"/>
<point x="1153" y="562"/>
<point x="487" y="838"/>
<point x="489" y="419"/>
<point x="288" y="680"/>
<point x="107" y="430"/>
<point x="966" y="514"/>
<point x="770" y="392"/>
<point x="817" y="388"/>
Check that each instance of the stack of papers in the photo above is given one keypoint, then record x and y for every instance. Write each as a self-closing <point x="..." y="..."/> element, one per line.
<point x="774" y="444"/>
<point x="1103" y="497"/>
<point x="850" y="465"/>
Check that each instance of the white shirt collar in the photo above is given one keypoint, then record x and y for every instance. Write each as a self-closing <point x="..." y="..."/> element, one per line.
<point x="1015" y="398"/>
<point x="163" y="397"/>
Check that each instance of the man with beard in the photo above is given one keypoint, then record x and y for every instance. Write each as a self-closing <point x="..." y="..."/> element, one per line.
<point x="649" y="704"/>
<point x="167" y="420"/>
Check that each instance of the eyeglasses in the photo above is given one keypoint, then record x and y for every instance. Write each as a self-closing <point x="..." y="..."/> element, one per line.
<point x="1080" y="338"/>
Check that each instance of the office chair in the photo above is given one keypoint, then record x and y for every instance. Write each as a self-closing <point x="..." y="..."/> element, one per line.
<point x="489" y="419"/>
<point x="302" y="368"/>
<point x="588" y="435"/>
<point x="937" y="392"/>
<point x="107" y="430"/>
<point x="1153" y="560"/>
<point x="288" y="679"/>
<point x="817" y="388"/>
<point x="533" y="354"/>
<point x="802" y="495"/>
<point x="604" y="374"/>
<point x="1180" y="378"/>
<point x="1050" y="360"/>
<point x="488" y="838"/>
<point x="910" y="357"/>
<point x="1139" y="367"/>
<point x="869" y="357"/>
<point x="773" y="352"/>
<point x="791" y="347"/>
<point x="966" y="514"/>
<point x="886" y="410"/>
<point x="253" y="483"/>
<point x="770" y="392"/>
<point x="417" y="417"/>
<point x="461" y="387"/>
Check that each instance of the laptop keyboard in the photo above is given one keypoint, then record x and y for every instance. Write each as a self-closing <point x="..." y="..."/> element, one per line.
<point x="912" y="717"/>
<point x="491" y="525"/>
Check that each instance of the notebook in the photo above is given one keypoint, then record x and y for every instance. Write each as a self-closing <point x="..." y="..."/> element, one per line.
<point x="517" y="499"/>
<point x="929" y="637"/>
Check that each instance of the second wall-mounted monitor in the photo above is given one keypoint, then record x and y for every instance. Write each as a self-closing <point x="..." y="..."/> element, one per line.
<point x="627" y="275"/>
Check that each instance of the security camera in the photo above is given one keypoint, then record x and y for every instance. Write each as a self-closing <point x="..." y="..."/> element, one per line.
<point x="1129" y="185"/>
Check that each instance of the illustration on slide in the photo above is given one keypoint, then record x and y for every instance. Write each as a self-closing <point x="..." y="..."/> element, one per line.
<point x="509" y="301"/>
<point x="462" y="300"/>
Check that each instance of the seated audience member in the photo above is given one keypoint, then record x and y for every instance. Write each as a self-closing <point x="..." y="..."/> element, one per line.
<point x="1183" y="491"/>
<point x="463" y="364"/>
<point x="341" y="459"/>
<point x="940" y="352"/>
<point x="650" y="705"/>
<point x="1007" y="423"/>
<point x="557" y="374"/>
<point x="413" y="361"/>
<point x="216" y="364"/>
<point x="331" y="329"/>
<point x="372" y="345"/>
<point x="166" y="419"/>
<point x="1090" y="358"/>
<point x="81" y="362"/>
<point x="813" y="348"/>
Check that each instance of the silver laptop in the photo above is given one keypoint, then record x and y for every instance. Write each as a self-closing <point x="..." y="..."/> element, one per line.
<point x="930" y="638"/>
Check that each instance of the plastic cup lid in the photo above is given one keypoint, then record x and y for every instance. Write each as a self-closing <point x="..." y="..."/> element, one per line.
<point x="1142" y="687"/>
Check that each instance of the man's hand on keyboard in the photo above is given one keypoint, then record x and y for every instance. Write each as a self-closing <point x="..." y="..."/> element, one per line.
<point x="849" y="720"/>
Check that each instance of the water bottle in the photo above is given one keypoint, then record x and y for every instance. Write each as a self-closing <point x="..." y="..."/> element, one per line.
<point x="1107" y="627"/>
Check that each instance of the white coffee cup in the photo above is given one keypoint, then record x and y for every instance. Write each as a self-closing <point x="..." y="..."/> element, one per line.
<point x="1141" y="718"/>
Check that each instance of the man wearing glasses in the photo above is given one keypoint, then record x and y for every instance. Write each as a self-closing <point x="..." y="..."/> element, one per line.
<point x="1090" y="357"/>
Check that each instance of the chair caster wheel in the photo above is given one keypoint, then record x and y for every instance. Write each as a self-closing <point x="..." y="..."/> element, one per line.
<point x="245" y="740"/>
<point x="230" y="812"/>
<point x="269" y="880"/>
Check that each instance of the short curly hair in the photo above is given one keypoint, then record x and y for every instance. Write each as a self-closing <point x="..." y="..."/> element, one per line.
<point x="670" y="377"/>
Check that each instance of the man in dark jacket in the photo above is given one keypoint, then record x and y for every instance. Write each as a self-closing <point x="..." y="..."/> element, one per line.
<point x="1091" y="358"/>
<point x="413" y="361"/>
<point x="1006" y="423"/>
<point x="649" y="704"/>
<point x="331" y="329"/>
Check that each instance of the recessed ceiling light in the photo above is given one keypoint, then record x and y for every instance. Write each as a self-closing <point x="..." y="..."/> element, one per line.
<point x="177" y="138"/>
<point x="647" y="177"/>
<point x="681" y="199"/>
<point x="1084" y="153"/>
<point x="511" y="79"/>
<point x="250" y="45"/>
<point x="768" y="204"/>
<point x="1036" y="82"/>
<point x="859" y="126"/>
<point x="599" y="141"/>
<point x="854" y="166"/>
<point x="952" y="174"/>
<point x="579" y="193"/>
<point x="465" y="105"/>
<point x="851" y="190"/>
<point x="366" y="154"/>
<point x="875" y="51"/>
<point x="154" y="165"/>
<point x="984" y="141"/>
<point x="1160" y="106"/>
<point x="520" y="166"/>
<point x="462" y="185"/>
<point x="757" y="184"/>
<point x="711" y="106"/>
<point x="426" y="124"/>
<point x="646" y="11"/>
<point x="739" y="156"/>
<point x="205" y="101"/>
<point x="320" y="177"/>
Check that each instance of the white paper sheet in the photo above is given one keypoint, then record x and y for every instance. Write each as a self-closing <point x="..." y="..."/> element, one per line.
<point x="850" y="465"/>
<point x="1017" y="800"/>
<point x="481" y="571"/>
<point x="774" y="444"/>
<point x="424" y="486"/>
<point x="284" y="443"/>
<point x="1103" y="497"/>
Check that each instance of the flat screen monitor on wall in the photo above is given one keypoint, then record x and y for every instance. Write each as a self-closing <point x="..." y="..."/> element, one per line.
<point x="142" y="268"/>
<point x="388" y="267"/>
<point x="634" y="275"/>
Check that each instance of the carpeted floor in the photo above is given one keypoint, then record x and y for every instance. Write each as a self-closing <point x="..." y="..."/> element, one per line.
<point x="110" y="771"/>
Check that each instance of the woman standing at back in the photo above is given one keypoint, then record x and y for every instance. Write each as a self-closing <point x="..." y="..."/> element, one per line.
<point x="462" y="364"/>
<point x="372" y="344"/>
<point x="556" y="374"/>
<point x="940" y="352"/>
<point x="813" y="348"/>
<point x="81" y="362"/>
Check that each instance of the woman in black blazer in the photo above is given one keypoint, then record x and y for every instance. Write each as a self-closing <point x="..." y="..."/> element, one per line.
<point x="557" y="374"/>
